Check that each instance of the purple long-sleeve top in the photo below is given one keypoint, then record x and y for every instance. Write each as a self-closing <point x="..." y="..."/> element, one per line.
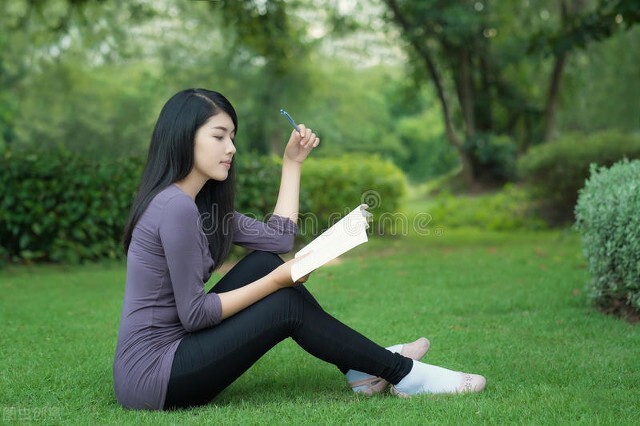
<point x="168" y="263"/>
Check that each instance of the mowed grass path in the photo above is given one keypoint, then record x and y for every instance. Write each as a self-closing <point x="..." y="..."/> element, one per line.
<point x="511" y="307"/>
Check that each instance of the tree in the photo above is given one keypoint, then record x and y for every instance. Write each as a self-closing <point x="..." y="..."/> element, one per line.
<point x="268" y="38"/>
<point x="35" y="34"/>
<point x="490" y="55"/>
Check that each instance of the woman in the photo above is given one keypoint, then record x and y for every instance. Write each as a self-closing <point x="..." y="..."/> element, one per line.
<point x="179" y="346"/>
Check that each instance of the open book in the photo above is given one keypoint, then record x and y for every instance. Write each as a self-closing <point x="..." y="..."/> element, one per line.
<point x="349" y="232"/>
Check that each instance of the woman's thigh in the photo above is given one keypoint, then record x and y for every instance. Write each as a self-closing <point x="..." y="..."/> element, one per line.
<point x="252" y="267"/>
<point x="209" y="360"/>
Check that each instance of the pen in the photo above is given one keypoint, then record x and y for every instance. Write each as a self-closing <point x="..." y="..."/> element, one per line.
<point x="288" y="117"/>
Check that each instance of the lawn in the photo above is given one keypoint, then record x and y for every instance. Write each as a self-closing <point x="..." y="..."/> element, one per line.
<point x="509" y="306"/>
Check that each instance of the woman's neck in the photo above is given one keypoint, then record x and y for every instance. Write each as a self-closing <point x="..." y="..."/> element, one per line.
<point x="191" y="185"/>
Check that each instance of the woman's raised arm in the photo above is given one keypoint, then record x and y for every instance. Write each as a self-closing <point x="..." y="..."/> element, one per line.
<point x="296" y="151"/>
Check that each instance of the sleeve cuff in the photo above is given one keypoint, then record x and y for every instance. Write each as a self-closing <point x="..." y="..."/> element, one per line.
<point x="283" y="225"/>
<point x="214" y="308"/>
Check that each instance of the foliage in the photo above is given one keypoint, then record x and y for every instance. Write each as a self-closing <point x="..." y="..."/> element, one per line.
<point x="428" y="155"/>
<point x="61" y="207"/>
<point x="333" y="186"/>
<point x="257" y="182"/>
<point x="330" y="187"/>
<point x="103" y="82"/>
<point x="494" y="157"/>
<point x="557" y="170"/>
<point x="597" y="24"/>
<point x="101" y="113"/>
<point x="510" y="209"/>
<point x="65" y="207"/>
<point x="350" y="116"/>
<point x="602" y="87"/>
<point x="486" y="75"/>
<point x="609" y="224"/>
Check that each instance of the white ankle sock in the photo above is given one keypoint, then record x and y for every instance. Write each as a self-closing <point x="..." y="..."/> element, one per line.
<point x="427" y="378"/>
<point x="356" y="376"/>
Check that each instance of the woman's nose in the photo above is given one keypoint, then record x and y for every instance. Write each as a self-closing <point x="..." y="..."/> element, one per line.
<point x="231" y="149"/>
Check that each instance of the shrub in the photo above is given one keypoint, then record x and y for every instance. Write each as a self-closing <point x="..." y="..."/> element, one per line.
<point x="507" y="210"/>
<point x="557" y="170"/>
<point x="609" y="225"/>
<point x="493" y="157"/>
<point x="63" y="207"/>
<point x="59" y="206"/>
<point x="333" y="186"/>
<point x="257" y="183"/>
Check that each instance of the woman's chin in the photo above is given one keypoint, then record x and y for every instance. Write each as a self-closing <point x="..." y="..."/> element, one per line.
<point x="220" y="177"/>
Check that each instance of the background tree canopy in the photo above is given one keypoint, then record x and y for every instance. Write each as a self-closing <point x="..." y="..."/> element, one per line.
<point x="429" y="85"/>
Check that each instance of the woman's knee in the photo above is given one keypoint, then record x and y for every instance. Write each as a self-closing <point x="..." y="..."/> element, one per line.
<point x="270" y="260"/>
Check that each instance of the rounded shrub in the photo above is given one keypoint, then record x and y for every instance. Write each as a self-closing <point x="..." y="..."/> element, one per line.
<point x="331" y="187"/>
<point x="555" y="171"/>
<point x="609" y="225"/>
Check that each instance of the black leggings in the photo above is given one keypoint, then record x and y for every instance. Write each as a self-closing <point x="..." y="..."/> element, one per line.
<point x="209" y="360"/>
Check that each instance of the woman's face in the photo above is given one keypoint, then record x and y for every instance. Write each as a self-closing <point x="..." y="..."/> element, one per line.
<point x="214" y="148"/>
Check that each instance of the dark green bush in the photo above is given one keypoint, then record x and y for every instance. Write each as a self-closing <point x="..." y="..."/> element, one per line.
<point x="493" y="157"/>
<point x="609" y="224"/>
<point x="58" y="206"/>
<point x="257" y="183"/>
<point x="63" y="207"/>
<point x="557" y="170"/>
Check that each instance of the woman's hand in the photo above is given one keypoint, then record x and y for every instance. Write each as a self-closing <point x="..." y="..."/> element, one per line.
<point x="300" y="144"/>
<point x="282" y="274"/>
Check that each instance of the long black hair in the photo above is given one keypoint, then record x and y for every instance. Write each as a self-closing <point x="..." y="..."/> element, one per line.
<point x="171" y="158"/>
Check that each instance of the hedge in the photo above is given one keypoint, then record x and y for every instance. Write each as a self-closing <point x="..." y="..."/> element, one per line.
<point x="331" y="187"/>
<point x="61" y="207"/>
<point x="609" y="225"/>
<point x="556" y="170"/>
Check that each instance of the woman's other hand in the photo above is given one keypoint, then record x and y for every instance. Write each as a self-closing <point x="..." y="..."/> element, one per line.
<point x="300" y="144"/>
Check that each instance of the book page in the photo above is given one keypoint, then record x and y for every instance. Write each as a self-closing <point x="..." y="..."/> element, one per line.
<point x="349" y="232"/>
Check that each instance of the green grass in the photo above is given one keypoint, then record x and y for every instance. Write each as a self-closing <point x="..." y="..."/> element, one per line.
<point x="508" y="306"/>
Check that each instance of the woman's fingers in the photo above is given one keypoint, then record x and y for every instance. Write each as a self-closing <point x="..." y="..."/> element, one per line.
<point x="303" y="130"/>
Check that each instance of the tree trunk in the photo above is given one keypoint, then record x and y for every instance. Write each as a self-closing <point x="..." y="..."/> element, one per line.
<point x="568" y="9"/>
<point x="465" y="91"/>
<point x="484" y="110"/>
<point x="424" y="53"/>
<point x="552" y="97"/>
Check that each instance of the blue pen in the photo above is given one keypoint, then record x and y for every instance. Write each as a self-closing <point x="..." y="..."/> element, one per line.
<point x="288" y="117"/>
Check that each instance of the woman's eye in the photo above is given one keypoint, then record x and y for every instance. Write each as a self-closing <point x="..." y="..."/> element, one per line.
<point x="218" y="137"/>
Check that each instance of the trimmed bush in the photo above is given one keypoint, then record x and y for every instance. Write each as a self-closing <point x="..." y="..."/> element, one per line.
<point x="257" y="183"/>
<point x="609" y="224"/>
<point x="557" y="170"/>
<point x="63" y="207"/>
<point x="58" y="206"/>
<point x="331" y="187"/>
